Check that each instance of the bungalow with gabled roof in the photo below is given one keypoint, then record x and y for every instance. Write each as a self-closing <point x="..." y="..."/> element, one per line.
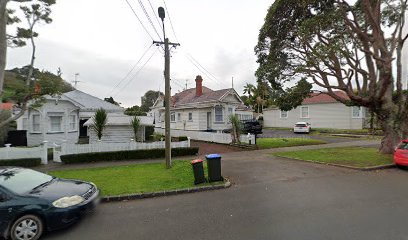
<point x="201" y="109"/>
<point x="321" y="111"/>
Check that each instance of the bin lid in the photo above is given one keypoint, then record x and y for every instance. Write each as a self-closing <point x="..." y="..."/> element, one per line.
<point x="196" y="161"/>
<point x="211" y="156"/>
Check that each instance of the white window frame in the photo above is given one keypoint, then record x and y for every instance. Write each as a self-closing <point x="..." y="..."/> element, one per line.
<point x="172" y="117"/>
<point x="72" y="124"/>
<point x="36" y="127"/>
<point x="360" y="112"/>
<point x="280" y="113"/>
<point x="50" y="129"/>
<point x="190" y="116"/>
<point x="301" y="112"/>
<point x="25" y="123"/>
<point x="219" y="115"/>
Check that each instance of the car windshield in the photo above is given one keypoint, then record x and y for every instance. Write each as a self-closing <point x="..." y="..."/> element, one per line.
<point x="300" y="125"/>
<point x="403" y="146"/>
<point x="20" y="181"/>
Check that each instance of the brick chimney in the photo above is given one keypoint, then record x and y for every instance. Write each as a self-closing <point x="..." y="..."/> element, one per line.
<point x="199" y="86"/>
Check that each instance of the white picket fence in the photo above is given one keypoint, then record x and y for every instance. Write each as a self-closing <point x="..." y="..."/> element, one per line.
<point x="9" y="152"/>
<point x="69" y="148"/>
<point x="208" y="136"/>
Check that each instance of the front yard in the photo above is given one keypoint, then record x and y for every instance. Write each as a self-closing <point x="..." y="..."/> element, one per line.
<point x="265" y="143"/>
<point x="350" y="156"/>
<point x="138" y="178"/>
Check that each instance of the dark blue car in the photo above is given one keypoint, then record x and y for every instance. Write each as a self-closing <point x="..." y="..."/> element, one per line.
<point x="32" y="202"/>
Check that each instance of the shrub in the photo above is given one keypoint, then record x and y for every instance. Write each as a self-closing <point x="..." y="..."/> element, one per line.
<point x="23" y="162"/>
<point x="183" y="138"/>
<point x="126" y="155"/>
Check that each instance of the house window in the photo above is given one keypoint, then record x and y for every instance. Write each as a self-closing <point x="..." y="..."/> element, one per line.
<point x="357" y="112"/>
<point x="25" y="124"/>
<point x="219" y="114"/>
<point x="179" y="117"/>
<point x="304" y="112"/>
<point x="55" y="123"/>
<point x="284" y="114"/>
<point x="172" y="117"/>
<point x="190" y="116"/>
<point x="36" y="123"/>
<point x="72" y="122"/>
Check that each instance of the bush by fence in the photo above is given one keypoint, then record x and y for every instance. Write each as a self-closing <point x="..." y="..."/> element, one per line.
<point x="22" y="162"/>
<point x="126" y="155"/>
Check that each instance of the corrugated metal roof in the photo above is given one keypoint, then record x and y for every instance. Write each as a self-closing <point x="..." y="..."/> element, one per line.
<point x="189" y="96"/>
<point x="324" y="98"/>
<point x="89" y="102"/>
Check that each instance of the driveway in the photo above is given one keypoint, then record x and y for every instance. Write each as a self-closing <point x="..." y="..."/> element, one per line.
<point x="271" y="198"/>
<point x="269" y="133"/>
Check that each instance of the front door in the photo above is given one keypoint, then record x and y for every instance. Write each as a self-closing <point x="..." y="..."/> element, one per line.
<point x="209" y="121"/>
<point x="83" y="130"/>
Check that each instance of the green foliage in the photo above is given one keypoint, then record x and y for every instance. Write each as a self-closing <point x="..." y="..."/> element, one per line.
<point x="134" y="111"/>
<point x="158" y="137"/>
<point x="135" y="123"/>
<point x="148" y="100"/>
<point x="182" y="138"/>
<point x="24" y="162"/>
<point x="292" y="97"/>
<point x="126" y="155"/>
<point x="99" y="122"/>
<point x="265" y="143"/>
<point x="4" y="114"/>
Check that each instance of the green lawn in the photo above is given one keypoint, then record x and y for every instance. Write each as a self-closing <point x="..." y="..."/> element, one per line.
<point x="138" y="178"/>
<point x="265" y="143"/>
<point x="351" y="156"/>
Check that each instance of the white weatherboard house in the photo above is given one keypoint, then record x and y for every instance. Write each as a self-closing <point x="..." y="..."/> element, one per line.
<point x="119" y="130"/>
<point x="62" y="118"/>
<point x="321" y="111"/>
<point x="201" y="109"/>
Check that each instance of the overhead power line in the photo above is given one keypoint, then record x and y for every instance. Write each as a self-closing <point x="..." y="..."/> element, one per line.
<point x="154" y="12"/>
<point x="171" y="23"/>
<point x="140" y="21"/>
<point x="131" y="70"/>
<point x="134" y="75"/>
<point x="149" y="19"/>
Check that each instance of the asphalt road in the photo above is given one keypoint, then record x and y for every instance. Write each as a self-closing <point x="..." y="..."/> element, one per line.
<point x="271" y="199"/>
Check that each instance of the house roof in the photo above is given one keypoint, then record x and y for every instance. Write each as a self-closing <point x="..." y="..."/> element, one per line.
<point x="88" y="102"/>
<point x="6" y="106"/>
<point x="189" y="96"/>
<point x="322" y="97"/>
<point x="123" y="120"/>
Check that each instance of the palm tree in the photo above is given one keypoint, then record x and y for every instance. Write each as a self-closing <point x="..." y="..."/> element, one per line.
<point x="236" y="128"/>
<point x="99" y="122"/>
<point x="249" y="88"/>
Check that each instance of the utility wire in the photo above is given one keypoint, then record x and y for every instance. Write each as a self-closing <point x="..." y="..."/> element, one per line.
<point x="140" y="21"/>
<point x="149" y="19"/>
<point x="134" y="75"/>
<point x="131" y="70"/>
<point x="171" y="24"/>
<point x="154" y="12"/>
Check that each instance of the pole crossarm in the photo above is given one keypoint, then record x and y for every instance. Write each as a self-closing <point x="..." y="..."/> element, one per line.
<point x="162" y="43"/>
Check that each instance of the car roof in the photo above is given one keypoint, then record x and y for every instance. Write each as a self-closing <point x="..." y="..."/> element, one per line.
<point x="301" y="123"/>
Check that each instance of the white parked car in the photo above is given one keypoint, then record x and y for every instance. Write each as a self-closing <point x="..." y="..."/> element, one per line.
<point x="302" y="127"/>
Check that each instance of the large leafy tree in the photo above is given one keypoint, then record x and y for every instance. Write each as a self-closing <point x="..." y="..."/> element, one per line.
<point x="148" y="100"/>
<point x="351" y="46"/>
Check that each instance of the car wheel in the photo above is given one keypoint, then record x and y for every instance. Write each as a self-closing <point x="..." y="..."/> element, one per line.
<point x="28" y="227"/>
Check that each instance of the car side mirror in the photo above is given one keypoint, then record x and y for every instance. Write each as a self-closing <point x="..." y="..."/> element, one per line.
<point x="3" y="197"/>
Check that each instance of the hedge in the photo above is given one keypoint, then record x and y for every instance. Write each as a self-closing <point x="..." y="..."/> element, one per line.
<point x="23" y="162"/>
<point x="126" y="155"/>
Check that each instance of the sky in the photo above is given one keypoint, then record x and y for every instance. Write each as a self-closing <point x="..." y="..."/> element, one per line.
<point x="103" y="40"/>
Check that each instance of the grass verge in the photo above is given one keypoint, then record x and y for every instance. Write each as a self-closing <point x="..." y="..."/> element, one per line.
<point x="349" y="156"/>
<point x="137" y="178"/>
<point x="265" y="143"/>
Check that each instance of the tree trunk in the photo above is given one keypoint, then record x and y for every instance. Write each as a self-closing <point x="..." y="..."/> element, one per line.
<point x="390" y="140"/>
<point x="3" y="42"/>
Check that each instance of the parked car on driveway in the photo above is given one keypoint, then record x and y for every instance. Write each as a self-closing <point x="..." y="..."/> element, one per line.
<point x="302" y="127"/>
<point x="401" y="153"/>
<point x="32" y="202"/>
<point x="251" y="126"/>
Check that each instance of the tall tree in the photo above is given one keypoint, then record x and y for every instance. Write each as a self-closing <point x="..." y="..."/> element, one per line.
<point x="340" y="45"/>
<point x="148" y="100"/>
<point x="100" y="119"/>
